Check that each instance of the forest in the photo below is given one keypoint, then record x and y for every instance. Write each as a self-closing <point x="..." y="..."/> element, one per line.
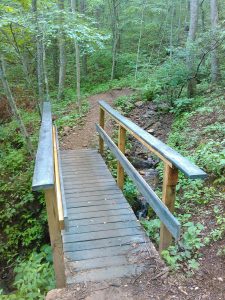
<point x="161" y="63"/>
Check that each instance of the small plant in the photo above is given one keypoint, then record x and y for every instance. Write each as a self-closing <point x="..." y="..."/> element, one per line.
<point x="34" y="277"/>
<point x="186" y="250"/>
<point x="152" y="229"/>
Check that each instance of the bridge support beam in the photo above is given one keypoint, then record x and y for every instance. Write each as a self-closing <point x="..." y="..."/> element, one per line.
<point x="170" y="180"/>
<point x="55" y="237"/>
<point x="121" y="146"/>
<point x="102" y="124"/>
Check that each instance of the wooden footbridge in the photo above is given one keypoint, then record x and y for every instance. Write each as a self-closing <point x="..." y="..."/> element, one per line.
<point x="94" y="233"/>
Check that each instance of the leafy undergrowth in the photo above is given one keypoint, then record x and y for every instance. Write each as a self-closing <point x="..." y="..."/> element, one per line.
<point x="198" y="133"/>
<point x="23" y="219"/>
<point x="34" y="277"/>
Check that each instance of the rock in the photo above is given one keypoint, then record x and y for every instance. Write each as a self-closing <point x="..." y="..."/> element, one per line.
<point x="140" y="163"/>
<point x="54" y="294"/>
<point x="151" y="130"/>
<point x="139" y="103"/>
<point x="156" y="125"/>
<point x="128" y="152"/>
<point x="66" y="129"/>
<point x="149" y="113"/>
<point x="142" y="172"/>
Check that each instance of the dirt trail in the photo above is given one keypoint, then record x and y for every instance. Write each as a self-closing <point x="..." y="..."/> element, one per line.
<point x="84" y="135"/>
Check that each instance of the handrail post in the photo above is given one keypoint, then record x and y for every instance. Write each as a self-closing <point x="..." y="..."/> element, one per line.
<point x="102" y="124"/>
<point x="170" y="179"/>
<point x="55" y="237"/>
<point x="121" y="146"/>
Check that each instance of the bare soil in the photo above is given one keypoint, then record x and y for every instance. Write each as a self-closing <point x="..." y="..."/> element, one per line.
<point x="84" y="135"/>
<point x="154" y="283"/>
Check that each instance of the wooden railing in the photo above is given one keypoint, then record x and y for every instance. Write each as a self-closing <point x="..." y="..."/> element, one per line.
<point x="173" y="161"/>
<point x="48" y="177"/>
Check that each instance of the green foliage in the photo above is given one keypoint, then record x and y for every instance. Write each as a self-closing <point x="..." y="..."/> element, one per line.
<point x="22" y="218"/>
<point x="152" y="228"/>
<point x="186" y="250"/>
<point x="34" y="277"/>
<point x="125" y="103"/>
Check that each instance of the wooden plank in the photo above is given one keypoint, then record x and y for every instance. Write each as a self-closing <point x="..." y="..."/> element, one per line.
<point x="107" y="273"/>
<point x="166" y="153"/>
<point x="57" y="183"/>
<point x="87" y="185"/>
<point x="116" y="241"/>
<point x="55" y="237"/>
<point x="103" y="234"/>
<point x="86" y="174"/>
<point x="77" y="192"/>
<point x="121" y="146"/>
<point x="106" y="226"/>
<point x="96" y="195"/>
<point x="43" y="177"/>
<point x="89" y="181"/>
<point x="170" y="180"/>
<point x="102" y="124"/>
<point x="98" y="202"/>
<point x="83" y="151"/>
<point x="104" y="220"/>
<point x="172" y="224"/>
<point x="96" y="214"/>
<point x="100" y="187"/>
<point x="66" y="221"/>
<point x="100" y="262"/>
<point x="103" y="207"/>
<point x="106" y="252"/>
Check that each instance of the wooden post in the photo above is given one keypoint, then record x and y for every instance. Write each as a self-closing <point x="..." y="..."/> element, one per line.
<point x="55" y="237"/>
<point x="121" y="146"/>
<point x="102" y="124"/>
<point x="170" y="179"/>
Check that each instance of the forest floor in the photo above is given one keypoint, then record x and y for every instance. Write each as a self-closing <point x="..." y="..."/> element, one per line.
<point x="156" y="282"/>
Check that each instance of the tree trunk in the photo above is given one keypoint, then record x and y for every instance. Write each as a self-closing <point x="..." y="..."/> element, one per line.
<point x="83" y="8"/>
<point x="14" y="109"/>
<point x="77" y="53"/>
<point x="39" y="56"/>
<point x="194" y="6"/>
<point x="115" y="34"/>
<point x="62" y="57"/>
<point x="215" y="73"/>
<point x="45" y="70"/>
<point x="139" y="40"/>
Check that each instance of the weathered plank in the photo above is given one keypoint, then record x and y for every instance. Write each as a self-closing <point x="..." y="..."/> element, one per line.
<point x="102" y="234"/>
<point x="107" y="273"/>
<point x="99" y="262"/>
<point x="99" y="227"/>
<point x="181" y="162"/>
<point x="115" y="199"/>
<point x="96" y="195"/>
<point x="102" y="207"/>
<point x="171" y="223"/>
<point x="95" y="244"/>
<point x="103" y="220"/>
<point x="43" y="177"/>
<point x="97" y="214"/>
<point x="106" y="252"/>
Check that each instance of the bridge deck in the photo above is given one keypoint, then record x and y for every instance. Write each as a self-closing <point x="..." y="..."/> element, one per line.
<point x="105" y="239"/>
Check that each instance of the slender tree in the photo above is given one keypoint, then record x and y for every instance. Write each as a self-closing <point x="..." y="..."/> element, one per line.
<point x="77" y="54"/>
<point x="13" y="107"/>
<point x="194" y="7"/>
<point x="115" y="34"/>
<point x="39" y="47"/>
<point x="215" y="73"/>
<point x="62" y="56"/>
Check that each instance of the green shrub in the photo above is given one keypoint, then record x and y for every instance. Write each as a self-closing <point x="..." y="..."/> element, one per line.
<point x="34" y="277"/>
